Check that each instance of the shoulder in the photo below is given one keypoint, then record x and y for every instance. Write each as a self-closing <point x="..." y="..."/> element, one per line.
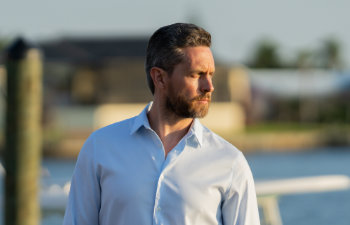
<point x="218" y="143"/>
<point x="102" y="140"/>
<point x="106" y="136"/>
<point x="115" y="130"/>
<point x="234" y="156"/>
<point x="240" y="172"/>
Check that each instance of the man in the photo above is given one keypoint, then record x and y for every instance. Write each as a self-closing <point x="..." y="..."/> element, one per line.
<point x="163" y="166"/>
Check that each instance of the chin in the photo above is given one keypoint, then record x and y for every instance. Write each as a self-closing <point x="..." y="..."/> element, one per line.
<point x="200" y="112"/>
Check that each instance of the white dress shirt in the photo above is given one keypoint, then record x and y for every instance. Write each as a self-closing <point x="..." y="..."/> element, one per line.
<point x="123" y="178"/>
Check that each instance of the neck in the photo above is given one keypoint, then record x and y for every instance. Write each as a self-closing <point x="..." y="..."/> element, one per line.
<point x="169" y="127"/>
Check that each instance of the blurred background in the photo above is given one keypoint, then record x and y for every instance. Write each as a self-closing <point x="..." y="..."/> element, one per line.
<point x="282" y="86"/>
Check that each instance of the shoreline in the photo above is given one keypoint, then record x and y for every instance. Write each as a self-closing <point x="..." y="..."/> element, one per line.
<point x="248" y="143"/>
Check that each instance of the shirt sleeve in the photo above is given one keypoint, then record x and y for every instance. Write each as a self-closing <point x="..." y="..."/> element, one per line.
<point x="240" y="204"/>
<point x="84" y="196"/>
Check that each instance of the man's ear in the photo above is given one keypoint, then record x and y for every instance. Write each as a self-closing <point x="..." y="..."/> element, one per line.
<point x="159" y="77"/>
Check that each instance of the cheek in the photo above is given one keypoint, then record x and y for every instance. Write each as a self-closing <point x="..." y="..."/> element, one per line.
<point x="191" y="86"/>
<point x="187" y="92"/>
<point x="193" y="89"/>
<point x="187" y="87"/>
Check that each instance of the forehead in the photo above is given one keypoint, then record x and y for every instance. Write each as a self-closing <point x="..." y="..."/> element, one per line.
<point x="200" y="56"/>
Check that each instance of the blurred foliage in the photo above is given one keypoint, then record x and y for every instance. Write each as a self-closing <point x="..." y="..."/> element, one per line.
<point x="327" y="110"/>
<point x="304" y="59"/>
<point x="330" y="54"/>
<point x="327" y="56"/>
<point x="266" y="55"/>
<point x="336" y="135"/>
<point x="331" y="128"/>
<point x="3" y="43"/>
<point x="320" y="134"/>
<point x="283" y="126"/>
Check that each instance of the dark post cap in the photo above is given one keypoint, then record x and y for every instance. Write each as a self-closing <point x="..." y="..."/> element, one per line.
<point x="17" y="49"/>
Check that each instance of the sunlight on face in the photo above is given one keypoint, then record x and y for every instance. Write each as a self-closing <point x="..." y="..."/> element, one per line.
<point x="190" y="86"/>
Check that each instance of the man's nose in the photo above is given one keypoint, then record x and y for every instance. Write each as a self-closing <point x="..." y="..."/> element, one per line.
<point x="207" y="84"/>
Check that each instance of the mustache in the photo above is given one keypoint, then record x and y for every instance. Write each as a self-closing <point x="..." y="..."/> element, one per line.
<point x="201" y="97"/>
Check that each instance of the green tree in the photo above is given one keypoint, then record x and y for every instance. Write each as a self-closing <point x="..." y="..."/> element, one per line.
<point x="331" y="54"/>
<point x="304" y="59"/>
<point x="2" y="44"/>
<point x="266" y="55"/>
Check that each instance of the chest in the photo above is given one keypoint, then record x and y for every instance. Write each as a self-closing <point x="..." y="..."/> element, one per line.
<point x="191" y="179"/>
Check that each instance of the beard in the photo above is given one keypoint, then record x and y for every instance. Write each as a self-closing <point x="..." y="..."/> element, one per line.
<point x="188" y="108"/>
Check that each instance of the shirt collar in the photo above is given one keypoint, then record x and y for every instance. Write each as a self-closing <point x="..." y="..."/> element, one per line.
<point x="195" y="130"/>
<point x="141" y="119"/>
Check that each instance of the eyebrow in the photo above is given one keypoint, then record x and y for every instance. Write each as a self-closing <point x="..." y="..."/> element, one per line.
<point x="201" y="71"/>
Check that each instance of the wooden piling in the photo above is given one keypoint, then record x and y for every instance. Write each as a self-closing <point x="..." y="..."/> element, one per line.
<point x="22" y="155"/>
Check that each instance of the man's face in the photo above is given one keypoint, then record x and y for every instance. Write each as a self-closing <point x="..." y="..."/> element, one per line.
<point x="190" y="85"/>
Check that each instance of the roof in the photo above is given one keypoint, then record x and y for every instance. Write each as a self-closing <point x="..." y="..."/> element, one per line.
<point x="94" y="49"/>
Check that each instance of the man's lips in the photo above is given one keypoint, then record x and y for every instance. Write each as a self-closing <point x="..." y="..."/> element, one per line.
<point x="204" y="98"/>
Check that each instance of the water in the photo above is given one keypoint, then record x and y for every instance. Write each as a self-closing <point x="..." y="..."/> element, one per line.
<point x="302" y="209"/>
<point x="308" y="209"/>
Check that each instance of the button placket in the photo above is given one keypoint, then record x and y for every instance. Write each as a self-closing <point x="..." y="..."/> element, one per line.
<point x="157" y="207"/>
<point x="170" y="160"/>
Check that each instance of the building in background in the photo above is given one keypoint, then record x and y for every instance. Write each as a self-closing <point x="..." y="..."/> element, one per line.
<point x="85" y="77"/>
<point x="102" y="70"/>
<point x="308" y="96"/>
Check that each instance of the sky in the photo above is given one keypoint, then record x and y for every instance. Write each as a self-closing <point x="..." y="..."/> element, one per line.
<point x="235" y="25"/>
